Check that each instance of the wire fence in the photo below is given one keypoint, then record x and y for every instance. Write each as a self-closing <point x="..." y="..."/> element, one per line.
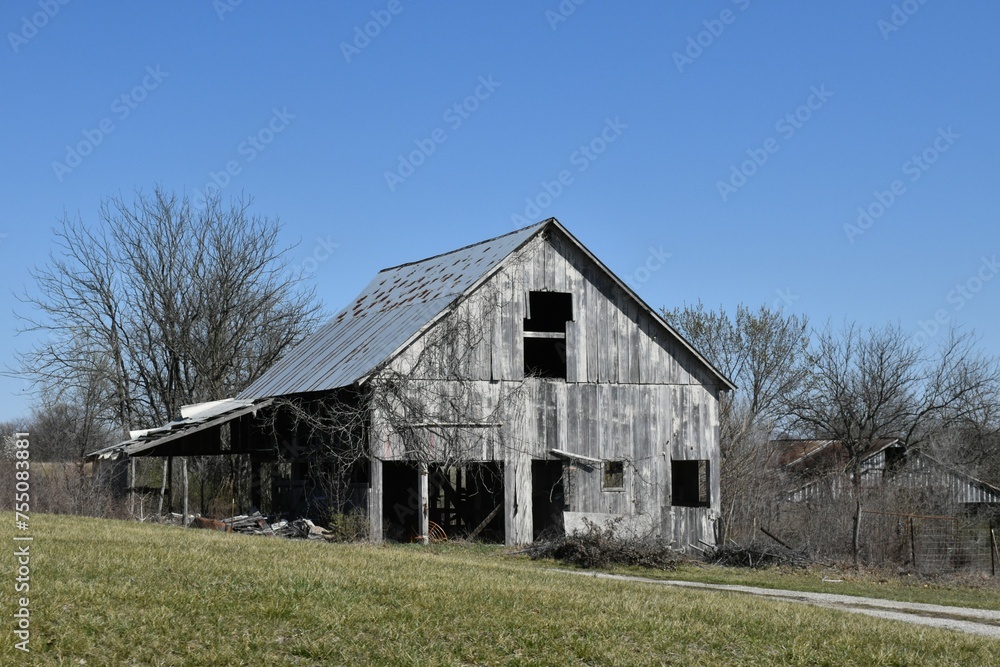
<point x="929" y="544"/>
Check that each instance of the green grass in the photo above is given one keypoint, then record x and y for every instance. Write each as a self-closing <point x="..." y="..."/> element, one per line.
<point x="116" y="593"/>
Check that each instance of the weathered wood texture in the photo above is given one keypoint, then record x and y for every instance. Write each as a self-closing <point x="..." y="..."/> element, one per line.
<point x="609" y="340"/>
<point x="375" y="497"/>
<point x="633" y="393"/>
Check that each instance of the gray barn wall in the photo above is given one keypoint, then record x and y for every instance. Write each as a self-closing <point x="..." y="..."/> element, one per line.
<point x="632" y="393"/>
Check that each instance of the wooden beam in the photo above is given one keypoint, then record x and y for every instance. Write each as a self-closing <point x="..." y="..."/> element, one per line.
<point x="589" y="460"/>
<point x="492" y="515"/>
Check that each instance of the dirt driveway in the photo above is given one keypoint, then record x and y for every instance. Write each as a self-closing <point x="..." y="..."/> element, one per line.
<point x="964" y="619"/>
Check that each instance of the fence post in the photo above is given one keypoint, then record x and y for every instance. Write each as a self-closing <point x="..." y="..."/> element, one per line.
<point x="913" y="544"/>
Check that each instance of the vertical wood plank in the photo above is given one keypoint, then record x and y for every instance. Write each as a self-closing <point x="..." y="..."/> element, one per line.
<point x="184" y="483"/>
<point x="635" y="335"/>
<point x="423" y="502"/>
<point x="375" y="497"/>
<point x="592" y="323"/>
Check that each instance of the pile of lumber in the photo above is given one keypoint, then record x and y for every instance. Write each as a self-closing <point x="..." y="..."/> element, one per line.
<point x="258" y="524"/>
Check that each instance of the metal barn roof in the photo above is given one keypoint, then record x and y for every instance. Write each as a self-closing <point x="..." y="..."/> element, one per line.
<point x="194" y="419"/>
<point x="394" y="306"/>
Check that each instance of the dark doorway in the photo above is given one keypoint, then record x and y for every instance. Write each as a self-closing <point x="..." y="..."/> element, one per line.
<point x="548" y="501"/>
<point x="467" y="501"/>
<point x="400" y="502"/>
<point x="689" y="484"/>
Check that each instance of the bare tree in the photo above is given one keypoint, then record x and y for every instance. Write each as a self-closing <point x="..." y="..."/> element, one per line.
<point x="763" y="352"/>
<point x="865" y="385"/>
<point x="162" y="305"/>
<point x="65" y="431"/>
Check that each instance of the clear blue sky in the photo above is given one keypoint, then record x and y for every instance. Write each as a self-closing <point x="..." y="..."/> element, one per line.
<point x="833" y="104"/>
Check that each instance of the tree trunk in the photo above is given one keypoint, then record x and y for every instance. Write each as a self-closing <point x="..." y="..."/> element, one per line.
<point x="857" y="534"/>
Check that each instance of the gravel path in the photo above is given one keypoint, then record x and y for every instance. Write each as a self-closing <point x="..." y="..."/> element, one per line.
<point x="975" y="621"/>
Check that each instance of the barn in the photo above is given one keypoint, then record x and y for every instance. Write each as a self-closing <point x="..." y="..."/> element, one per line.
<point x="505" y="390"/>
<point x="819" y="468"/>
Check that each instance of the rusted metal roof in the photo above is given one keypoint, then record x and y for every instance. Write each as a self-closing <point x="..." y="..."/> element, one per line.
<point x="822" y="455"/>
<point x="395" y="305"/>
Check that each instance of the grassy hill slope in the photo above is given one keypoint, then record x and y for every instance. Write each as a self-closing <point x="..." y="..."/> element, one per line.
<point x="108" y="592"/>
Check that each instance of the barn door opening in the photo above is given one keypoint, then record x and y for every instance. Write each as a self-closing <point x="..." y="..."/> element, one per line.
<point x="548" y="499"/>
<point x="467" y="501"/>
<point x="400" y="502"/>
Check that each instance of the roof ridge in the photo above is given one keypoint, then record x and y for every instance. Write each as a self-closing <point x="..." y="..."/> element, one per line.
<point x="466" y="247"/>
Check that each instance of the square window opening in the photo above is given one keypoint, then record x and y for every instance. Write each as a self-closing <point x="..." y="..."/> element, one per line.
<point x="690" y="484"/>
<point x="545" y="357"/>
<point x="895" y="458"/>
<point x="614" y="475"/>
<point x="549" y="311"/>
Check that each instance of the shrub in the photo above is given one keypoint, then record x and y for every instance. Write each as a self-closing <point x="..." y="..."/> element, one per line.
<point x="601" y="547"/>
<point x="350" y="527"/>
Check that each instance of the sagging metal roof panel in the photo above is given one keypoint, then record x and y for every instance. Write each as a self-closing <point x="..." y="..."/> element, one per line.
<point x="211" y="408"/>
<point x="200" y="417"/>
<point x="391" y="309"/>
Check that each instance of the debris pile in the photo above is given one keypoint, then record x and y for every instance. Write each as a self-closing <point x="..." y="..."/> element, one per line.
<point x="598" y="546"/>
<point x="258" y="524"/>
<point x="757" y="555"/>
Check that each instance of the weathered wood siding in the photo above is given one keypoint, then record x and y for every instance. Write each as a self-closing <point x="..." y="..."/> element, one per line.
<point x="633" y="393"/>
<point x="918" y="472"/>
<point x="610" y="340"/>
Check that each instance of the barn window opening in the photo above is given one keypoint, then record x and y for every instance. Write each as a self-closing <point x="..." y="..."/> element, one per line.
<point x="895" y="457"/>
<point x="549" y="311"/>
<point x="689" y="484"/>
<point x="545" y="333"/>
<point x="614" y="475"/>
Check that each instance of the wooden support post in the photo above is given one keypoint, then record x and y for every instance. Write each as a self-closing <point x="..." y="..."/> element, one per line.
<point x="170" y="484"/>
<point x="131" y="486"/>
<point x="423" y="518"/>
<point x="913" y="544"/>
<point x="163" y="487"/>
<point x="994" y="552"/>
<point x="375" y="499"/>
<point x="184" y="473"/>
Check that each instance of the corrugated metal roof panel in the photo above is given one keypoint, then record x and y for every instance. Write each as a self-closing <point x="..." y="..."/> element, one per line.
<point x="200" y="416"/>
<point x="391" y="309"/>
